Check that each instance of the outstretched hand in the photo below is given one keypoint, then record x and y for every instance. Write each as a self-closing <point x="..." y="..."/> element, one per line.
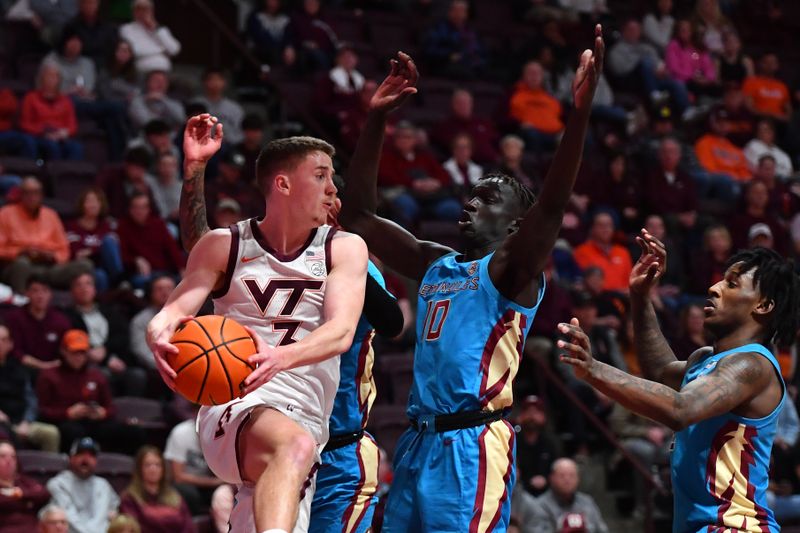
<point x="398" y="85"/>
<point x="578" y="348"/>
<point x="588" y="73"/>
<point x="202" y="138"/>
<point x="267" y="361"/>
<point x="651" y="264"/>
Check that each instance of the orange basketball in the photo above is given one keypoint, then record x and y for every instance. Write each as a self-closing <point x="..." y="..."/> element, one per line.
<point x="212" y="360"/>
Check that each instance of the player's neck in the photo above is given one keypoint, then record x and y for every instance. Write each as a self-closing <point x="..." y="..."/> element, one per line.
<point x="739" y="337"/>
<point x="474" y="251"/>
<point x="283" y="232"/>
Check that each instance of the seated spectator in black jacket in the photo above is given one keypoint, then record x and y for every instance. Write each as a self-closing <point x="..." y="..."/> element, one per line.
<point x="452" y="48"/>
<point x="108" y="335"/>
<point x="98" y="36"/>
<point x="537" y="447"/>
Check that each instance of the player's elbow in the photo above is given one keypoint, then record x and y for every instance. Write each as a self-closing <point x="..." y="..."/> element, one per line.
<point x="344" y="338"/>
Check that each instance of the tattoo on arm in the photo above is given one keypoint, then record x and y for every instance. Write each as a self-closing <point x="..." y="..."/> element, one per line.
<point x="193" y="219"/>
<point x="652" y="349"/>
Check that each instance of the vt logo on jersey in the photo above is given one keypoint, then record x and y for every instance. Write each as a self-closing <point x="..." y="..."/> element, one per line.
<point x="293" y="290"/>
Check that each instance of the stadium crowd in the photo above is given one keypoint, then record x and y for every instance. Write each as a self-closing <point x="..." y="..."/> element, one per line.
<point x="694" y="137"/>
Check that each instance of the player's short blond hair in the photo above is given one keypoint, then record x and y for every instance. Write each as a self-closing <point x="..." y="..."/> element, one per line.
<point x="284" y="155"/>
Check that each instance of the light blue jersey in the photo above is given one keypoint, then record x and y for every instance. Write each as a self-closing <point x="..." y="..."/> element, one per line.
<point x="720" y="466"/>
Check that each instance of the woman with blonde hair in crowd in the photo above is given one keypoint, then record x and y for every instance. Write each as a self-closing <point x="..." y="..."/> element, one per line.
<point x="152" y="500"/>
<point x="123" y="523"/>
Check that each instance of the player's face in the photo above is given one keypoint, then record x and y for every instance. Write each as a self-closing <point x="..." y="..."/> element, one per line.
<point x="312" y="189"/>
<point x="489" y="214"/>
<point x="731" y="302"/>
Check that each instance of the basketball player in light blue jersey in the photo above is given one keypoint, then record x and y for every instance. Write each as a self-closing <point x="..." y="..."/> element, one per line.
<point x="454" y="469"/>
<point x="723" y="402"/>
<point x="347" y="477"/>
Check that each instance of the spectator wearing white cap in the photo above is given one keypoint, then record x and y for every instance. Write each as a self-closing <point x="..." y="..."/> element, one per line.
<point x="760" y="235"/>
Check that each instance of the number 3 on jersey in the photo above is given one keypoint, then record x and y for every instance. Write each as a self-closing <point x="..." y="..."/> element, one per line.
<point x="435" y="315"/>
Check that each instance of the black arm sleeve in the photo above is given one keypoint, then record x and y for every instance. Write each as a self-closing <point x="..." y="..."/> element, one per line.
<point x="381" y="310"/>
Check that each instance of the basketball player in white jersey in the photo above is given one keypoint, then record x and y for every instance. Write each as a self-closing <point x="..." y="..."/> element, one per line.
<point x="299" y="286"/>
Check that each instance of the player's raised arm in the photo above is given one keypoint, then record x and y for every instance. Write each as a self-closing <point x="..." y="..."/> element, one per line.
<point x="655" y="356"/>
<point x="204" y="271"/>
<point x="199" y="145"/>
<point x="734" y="382"/>
<point x="395" y="246"/>
<point x="344" y="300"/>
<point x="524" y="253"/>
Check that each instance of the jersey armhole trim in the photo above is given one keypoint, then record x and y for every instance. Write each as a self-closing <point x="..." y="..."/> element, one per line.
<point x="328" y="245"/>
<point x="233" y="255"/>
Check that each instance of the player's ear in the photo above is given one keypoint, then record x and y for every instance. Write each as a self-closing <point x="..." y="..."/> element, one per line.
<point x="765" y="306"/>
<point x="282" y="183"/>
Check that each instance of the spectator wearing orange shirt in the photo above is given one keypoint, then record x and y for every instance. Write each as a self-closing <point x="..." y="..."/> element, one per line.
<point x="600" y="251"/>
<point x="33" y="241"/>
<point x="11" y="140"/>
<point x="49" y="116"/>
<point x="724" y="163"/>
<point x="537" y="111"/>
<point x="766" y="94"/>
<point x="415" y="183"/>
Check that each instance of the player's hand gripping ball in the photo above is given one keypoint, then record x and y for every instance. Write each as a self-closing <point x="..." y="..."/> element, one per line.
<point x="211" y="363"/>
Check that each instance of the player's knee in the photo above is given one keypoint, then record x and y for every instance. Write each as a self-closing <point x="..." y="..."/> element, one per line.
<point x="299" y="450"/>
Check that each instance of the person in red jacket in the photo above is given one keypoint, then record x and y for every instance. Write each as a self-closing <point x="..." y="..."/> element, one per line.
<point x="148" y="248"/>
<point x="77" y="398"/>
<point x="414" y="182"/>
<point x="49" y="116"/>
<point x="20" y="496"/>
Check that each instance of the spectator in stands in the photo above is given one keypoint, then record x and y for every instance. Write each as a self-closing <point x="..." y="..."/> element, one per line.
<point x="228" y="111"/>
<point x="600" y="250"/>
<point x="353" y="120"/>
<point x="657" y="26"/>
<point x="766" y="94"/>
<point x="37" y="328"/>
<point x="52" y="519"/>
<point x="617" y="187"/>
<point x="156" y="139"/>
<point x="688" y="61"/>
<point x="20" y="496"/>
<point x="671" y="192"/>
<point x="154" y="103"/>
<point x="227" y="212"/>
<point x="88" y="500"/>
<point x="537" y="112"/>
<point x="98" y="36"/>
<point x="148" y="248"/>
<point x="229" y="183"/>
<point x="562" y="508"/>
<point x="463" y="121"/>
<point x="77" y="397"/>
<point x="463" y="171"/>
<point x="107" y="328"/>
<point x="739" y="120"/>
<point x="156" y="292"/>
<point x="782" y="201"/>
<point x="78" y="81"/>
<point x="117" y="78"/>
<point x="166" y="185"/>
<point x="313" y="40"/>
<point x="724" y="163"/>
<point x="91" y="235"/>
<point x="33" y="241"/>
<point x="764" y="144"/>
<point x="188" y="468"/>
<point x="756" y="210"/>
<point x="49" y="116"/>
<point x="709" y="22"/>
<point x="759" y="235"/>
<point x="123" y="523"/>
<point x="537" y="447"/>
<point x="691" y="333"/>
<point x="339" y="92"/>
<point x="18" y="409"/>
<point x="51" y="16"/>
<point x="250" y="146"/>
<point x="13" y="141"/>
<point x="708" y="266"/>
<point x="416" y="183"/>
<point x="151" y="498"/>
<point x="452" y="47"/>
<point x="632" y="61"/>
<point x="733" y="64"/>
<point x="511" y="161"/>
<point x="152" y="44"/>
<point x="268" y="33"/>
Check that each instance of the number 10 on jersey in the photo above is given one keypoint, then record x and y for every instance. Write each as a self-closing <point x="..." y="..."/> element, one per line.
<point x="435" y="315"/>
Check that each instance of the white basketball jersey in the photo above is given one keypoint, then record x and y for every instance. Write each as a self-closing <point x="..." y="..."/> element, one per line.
<point x="281" y="298"/>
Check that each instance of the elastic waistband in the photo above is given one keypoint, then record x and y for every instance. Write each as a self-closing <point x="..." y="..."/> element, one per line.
<point x="451" y="422"/>
<point x="340" y="441"/>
